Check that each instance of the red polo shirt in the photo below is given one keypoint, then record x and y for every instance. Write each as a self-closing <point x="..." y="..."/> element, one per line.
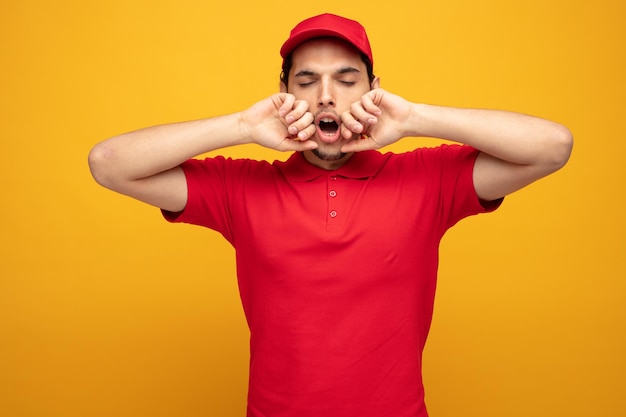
<point x="337" y="271"/>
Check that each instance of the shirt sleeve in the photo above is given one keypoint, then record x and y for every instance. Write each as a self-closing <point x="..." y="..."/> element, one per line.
<point x="207" y="195"/>
<point x="452" y="169"/>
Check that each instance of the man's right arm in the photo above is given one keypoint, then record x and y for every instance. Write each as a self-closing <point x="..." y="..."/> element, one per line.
<point x="145" y="164"/>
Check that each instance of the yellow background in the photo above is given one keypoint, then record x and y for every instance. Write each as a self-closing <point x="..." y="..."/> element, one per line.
<point x="107" y="310"/>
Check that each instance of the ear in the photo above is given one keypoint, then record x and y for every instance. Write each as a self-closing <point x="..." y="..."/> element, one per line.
<point x="375" y="83"/>
<point x="282" y="87"/>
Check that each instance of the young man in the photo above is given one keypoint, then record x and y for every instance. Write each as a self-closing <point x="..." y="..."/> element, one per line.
<point x="337" y="247"/>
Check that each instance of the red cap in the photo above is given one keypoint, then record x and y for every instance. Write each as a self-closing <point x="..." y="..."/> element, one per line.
<point x="328" y="25"/>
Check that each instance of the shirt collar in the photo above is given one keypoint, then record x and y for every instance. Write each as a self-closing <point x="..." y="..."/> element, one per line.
<point x="364" y="164"/>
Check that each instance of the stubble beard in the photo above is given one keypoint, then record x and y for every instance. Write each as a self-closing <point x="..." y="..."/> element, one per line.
<point x="328" y="156"/>
<point x="329" y="152"/>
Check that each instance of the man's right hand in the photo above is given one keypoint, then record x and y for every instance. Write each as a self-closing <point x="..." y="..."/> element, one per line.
<point x="279" y="122"/>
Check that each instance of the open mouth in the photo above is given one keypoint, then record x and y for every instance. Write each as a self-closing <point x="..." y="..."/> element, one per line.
<point x="327" y="128"/>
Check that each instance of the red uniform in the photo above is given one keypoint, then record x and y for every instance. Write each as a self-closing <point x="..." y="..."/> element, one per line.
<point x="337" y="271"/>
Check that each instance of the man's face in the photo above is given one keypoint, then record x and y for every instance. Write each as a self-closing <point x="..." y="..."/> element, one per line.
<point x="330" y="75"/>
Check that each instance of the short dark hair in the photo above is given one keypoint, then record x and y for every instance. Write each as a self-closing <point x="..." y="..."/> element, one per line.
<point x="287" y="63"/>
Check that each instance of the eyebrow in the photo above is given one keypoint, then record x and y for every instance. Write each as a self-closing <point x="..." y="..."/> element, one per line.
<point x="347" y="70"/>
<point x="304" y="73"/>
<point x="309" y="73"/>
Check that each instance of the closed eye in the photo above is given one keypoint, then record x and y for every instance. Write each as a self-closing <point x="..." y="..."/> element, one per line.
<point x="307" y="78"/>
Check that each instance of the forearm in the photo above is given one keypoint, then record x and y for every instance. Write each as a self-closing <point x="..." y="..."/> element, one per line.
<point x="512" y="137"/>
<point x="146" y="152"/>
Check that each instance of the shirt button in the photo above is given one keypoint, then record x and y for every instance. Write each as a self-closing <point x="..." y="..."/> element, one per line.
<point x="333" y="178"/>
<point x="333" y="193"/>
<point x="333" y="214"/>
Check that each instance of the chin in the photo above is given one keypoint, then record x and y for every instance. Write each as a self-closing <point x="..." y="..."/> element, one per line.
<point x="329" y="151"/>
<point x="328" y="156"/>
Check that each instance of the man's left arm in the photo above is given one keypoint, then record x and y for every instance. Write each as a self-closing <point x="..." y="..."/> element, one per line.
<point x="515" y="149"/>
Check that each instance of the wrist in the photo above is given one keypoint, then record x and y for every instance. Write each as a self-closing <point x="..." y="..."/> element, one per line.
<point x="243" y="132"/>
<point x="415" y="120"/>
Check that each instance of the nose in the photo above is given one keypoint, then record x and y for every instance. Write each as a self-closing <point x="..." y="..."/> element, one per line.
<point x="326" y="94"/>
